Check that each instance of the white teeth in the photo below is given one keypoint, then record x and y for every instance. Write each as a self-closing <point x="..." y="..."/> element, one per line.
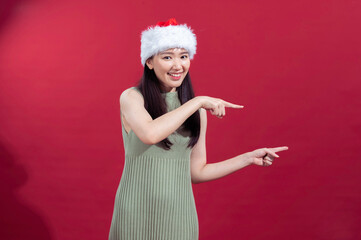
<point x="175" y="75"/>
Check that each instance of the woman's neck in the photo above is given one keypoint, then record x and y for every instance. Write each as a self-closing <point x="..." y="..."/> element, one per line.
<point x="167" y="89"/>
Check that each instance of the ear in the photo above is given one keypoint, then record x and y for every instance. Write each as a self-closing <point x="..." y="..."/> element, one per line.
<point x="149" y="63"/>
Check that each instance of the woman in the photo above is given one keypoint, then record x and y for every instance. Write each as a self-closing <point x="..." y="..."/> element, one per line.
<point x="164" y="129"/>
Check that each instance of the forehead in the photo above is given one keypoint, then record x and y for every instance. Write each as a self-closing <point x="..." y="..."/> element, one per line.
<point x="174" y="50"/>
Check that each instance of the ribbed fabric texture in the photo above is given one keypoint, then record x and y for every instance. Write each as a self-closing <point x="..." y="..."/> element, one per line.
<point x="154" y="199"/>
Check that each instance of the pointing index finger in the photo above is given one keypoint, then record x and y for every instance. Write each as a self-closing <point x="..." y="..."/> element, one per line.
<point x="231" y="105"/>
<point x="278" y="149"/>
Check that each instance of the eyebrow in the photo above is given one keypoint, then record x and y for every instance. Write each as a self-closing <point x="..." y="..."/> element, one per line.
<point x="185" y="52"/>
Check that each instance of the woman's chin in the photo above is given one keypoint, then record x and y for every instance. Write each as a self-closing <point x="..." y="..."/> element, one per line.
<point x="175" y="83"/>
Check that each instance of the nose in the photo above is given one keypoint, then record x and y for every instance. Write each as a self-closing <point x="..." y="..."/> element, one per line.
<point x="177" y="64"/>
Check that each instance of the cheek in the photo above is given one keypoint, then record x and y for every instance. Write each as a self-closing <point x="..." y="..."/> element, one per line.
<point x="187" y="65"/>
<point x="162" y="69"/>
<point x="187" y="69"/>
<point x="160" y="73"/>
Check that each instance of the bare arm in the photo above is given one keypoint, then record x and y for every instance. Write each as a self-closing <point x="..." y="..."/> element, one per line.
<point x="203" y="172"/>
<point x="152" y="131"/>
<point x="200" y="170"/>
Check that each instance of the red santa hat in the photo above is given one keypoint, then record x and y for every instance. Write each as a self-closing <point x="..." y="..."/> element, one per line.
<point x="165" y="35"/>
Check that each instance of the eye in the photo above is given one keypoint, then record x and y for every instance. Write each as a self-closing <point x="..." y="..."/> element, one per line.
<point x="166" y="57"/>
<point x="184" y="57"/>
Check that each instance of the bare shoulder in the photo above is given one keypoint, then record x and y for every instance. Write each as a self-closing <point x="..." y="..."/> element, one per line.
<point x="130" y="96"/>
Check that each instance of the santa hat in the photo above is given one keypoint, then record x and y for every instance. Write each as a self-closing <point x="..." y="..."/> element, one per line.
<point x="165" y="35"/>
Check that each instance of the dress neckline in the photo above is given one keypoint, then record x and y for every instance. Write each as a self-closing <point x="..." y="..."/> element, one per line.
<point x="170" y="93"/>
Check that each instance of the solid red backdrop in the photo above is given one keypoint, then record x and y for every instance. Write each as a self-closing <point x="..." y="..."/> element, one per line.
<point x="295" y="65"/>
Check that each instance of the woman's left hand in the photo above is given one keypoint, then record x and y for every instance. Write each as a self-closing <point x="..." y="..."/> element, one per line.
<point x="264" y="156"/>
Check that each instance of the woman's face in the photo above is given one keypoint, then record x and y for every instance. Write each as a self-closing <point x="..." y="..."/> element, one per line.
<point x="170" y="66"/>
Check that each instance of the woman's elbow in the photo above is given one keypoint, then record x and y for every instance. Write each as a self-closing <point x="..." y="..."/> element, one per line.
<point x="149" y="138"/>
<point x="196" y="180"/>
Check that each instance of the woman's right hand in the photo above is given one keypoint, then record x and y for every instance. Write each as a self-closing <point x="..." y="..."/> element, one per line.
<point x="264" y="156"/>
<point x="216" y="106"/>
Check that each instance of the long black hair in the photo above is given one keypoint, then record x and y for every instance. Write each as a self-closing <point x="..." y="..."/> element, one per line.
<point x="156" y="106"/>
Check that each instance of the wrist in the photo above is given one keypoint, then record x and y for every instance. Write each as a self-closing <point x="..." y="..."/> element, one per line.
<point x="247" y="158"/>
<point x="198" y="101"/>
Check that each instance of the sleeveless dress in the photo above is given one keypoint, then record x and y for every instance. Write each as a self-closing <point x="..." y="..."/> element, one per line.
<point x="154" y="199"/>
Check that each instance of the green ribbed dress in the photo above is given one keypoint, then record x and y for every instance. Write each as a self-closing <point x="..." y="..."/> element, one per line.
<point x="155" y="199"/>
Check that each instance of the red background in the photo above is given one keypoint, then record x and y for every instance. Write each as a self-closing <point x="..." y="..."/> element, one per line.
<point x="295" y="65"/>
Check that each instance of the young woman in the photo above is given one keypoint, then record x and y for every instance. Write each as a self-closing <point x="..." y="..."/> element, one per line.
<point x="164" y="134"/>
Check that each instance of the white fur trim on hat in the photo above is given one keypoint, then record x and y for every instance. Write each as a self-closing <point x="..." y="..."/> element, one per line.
<point x="157" y="39"/>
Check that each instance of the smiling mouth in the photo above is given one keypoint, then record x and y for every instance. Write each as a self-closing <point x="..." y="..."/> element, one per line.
<point x="175" y="74"/>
